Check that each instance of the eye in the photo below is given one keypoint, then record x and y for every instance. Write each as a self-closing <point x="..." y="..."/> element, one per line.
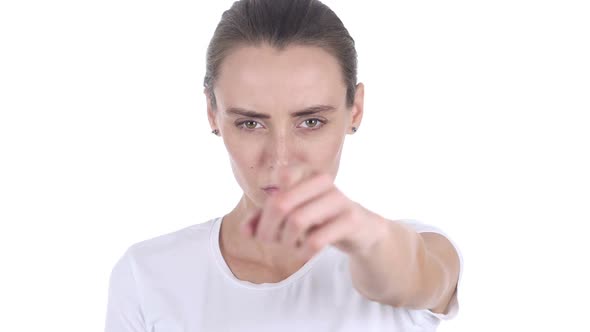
<point x="314" y="123"/>
<point x="251" y="125"/>
<point x="248" y="125"/>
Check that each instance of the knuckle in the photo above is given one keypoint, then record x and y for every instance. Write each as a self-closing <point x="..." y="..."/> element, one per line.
<point x="325" y="179"/>
<point x="315" y="244"/>
<point x="263" y="236"/>
<point x="354" y="212"/>
<point x="281" y="205"/>
<point x="296" y="222"/>
<point x="337" y="196"/>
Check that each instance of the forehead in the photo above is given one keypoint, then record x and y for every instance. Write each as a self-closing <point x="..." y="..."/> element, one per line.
<point x="263" y="77"/>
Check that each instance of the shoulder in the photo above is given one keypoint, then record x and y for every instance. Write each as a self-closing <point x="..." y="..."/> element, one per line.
<point x="176" y="244"/>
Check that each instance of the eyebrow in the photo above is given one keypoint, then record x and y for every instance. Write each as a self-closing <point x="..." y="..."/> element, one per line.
<point x="306" y="111"/>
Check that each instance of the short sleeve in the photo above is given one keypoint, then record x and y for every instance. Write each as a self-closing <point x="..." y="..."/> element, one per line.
<point x="453" y="308"/>
<point x="124" y="312"/>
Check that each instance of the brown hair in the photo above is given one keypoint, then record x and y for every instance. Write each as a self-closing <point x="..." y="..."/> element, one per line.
<point x="281" y="23"/>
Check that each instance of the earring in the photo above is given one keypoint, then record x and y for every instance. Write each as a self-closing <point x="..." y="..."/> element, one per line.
<point x="215" y="131"/>
<point x="354" y="129"/>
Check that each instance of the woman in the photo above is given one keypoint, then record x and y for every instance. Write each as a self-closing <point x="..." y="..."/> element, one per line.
<point x="295" y="254"/>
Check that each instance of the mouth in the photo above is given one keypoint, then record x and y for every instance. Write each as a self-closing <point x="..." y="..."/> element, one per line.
<point x="271" y="190"/>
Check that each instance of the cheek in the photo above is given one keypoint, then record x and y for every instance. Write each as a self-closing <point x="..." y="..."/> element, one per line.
<point x="243" y="160"/>
<point x="327" y="154"/>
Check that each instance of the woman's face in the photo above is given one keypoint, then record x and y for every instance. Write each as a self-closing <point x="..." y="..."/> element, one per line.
<point x="281" y="109"/>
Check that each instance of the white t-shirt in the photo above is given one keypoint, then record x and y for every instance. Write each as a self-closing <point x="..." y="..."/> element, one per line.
<point x="180" y="282"/>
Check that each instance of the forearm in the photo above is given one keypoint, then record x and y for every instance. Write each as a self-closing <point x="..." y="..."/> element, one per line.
<point x="394" y="269"/>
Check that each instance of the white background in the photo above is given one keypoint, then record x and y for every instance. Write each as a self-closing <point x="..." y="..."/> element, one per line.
<point x="475" y="122"/>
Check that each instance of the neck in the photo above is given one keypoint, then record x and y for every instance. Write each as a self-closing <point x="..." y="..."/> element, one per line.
<point x="239" y="246"/>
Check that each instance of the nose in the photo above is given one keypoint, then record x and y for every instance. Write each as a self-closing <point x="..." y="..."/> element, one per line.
<point x="281" y="151"/>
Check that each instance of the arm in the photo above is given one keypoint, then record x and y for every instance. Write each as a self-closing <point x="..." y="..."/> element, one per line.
<point x="404" y="268"/>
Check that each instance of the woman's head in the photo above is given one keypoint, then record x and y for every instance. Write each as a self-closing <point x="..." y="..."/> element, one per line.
<point x="281" y="89"/>
<point x="281" y="23"/>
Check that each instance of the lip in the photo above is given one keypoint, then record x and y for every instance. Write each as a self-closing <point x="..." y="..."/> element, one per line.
<point x="271" y="190"/>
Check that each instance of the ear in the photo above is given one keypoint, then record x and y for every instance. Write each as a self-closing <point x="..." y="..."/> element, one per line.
<point x="357" y="107"/>
<point x="211" y="114"/>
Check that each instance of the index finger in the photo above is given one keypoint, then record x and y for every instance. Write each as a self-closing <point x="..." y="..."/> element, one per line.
<point x="302" y="186"/>
<point x="288" y="177"/>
